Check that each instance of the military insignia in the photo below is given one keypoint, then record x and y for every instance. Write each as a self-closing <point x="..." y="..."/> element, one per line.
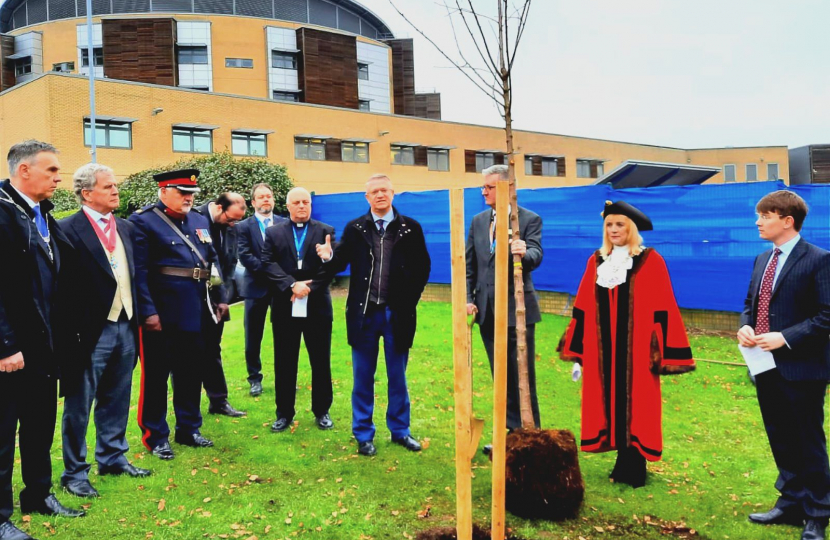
<point x="192" y="177"/>
<point x="204" y="236"/>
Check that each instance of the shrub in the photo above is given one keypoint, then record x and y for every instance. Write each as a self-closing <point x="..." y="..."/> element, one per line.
<point x="219" y="172"/>
<point x="64" y="201"/>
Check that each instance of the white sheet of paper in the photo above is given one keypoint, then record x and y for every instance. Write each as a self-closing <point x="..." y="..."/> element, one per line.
<point x="300" y="307"/>
<point x="757" y="359"/>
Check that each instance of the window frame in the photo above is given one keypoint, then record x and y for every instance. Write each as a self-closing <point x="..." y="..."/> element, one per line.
<point x="747" y="167"/>
<point x="438" y="152"/>
<point x="482" y="159"/>
<point x="404" y="151"/>
<point x="191" y="49"/>
<point x="97" y="54"/>
<point x="364" y="105"/>
<point x="241" y="61"/>
<point x="294" y="95"/>
<point x="726" y="179"/>
<point x="362" y="71"/>
<point x="23" y="66"/>
<point x="108" y="126"/>
<point x="777" y="171"/>
<point x="284" y="55"/>
<point x="191" y="133"/>
<point x="354" y="146"/>
<point x="248" y="138"/>
<point x="310" y="143"/>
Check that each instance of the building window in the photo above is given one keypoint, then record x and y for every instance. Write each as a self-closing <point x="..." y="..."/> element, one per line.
<point x="772" y="171"/>
<point x="194" y="141"/>
<point x="728" y="173"/>
<point x="365" y="105"/>
<point x="544" y="166"/>
<point x="249" y="144"/>
<point x="64" y="67"/>
<point x="109" y="134"/>
<point x="201" y="88"/>
<point x="362" y="71"/>
<point x="193" y="54"/>
<point x="306" y="148"/>
<point x="285" y="96"/>
<point x="97" y="56"/>
<point x="403" y="155"/>
<point x="550" y="167"/>
<point x="357" y="152"/>
<point x="484" y="160"/>
<point x="22" y="66"/>
<point x="438" y="159"/>
<point x="600" y="169"/>
<point x="751" y="172"/>
<point x="589" y="168"/>
<point x="283" y="60"/>
<point x="239" y="62"/>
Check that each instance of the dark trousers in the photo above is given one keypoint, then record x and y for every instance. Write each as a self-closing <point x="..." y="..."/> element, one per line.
<point x="32" y="401"/>
<point x="317" y="336"/>
<point x="106" y="382"/>
<point x="376" y="325"/>
<point x="255" y="311"/>
<point x="793" y="413"/>
<point x="183" y="355"/>
<point x="213" y="374"/>
<point x="514" y="417"/>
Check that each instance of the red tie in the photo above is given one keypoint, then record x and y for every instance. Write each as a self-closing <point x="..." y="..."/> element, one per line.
<point x="762" y="321"/>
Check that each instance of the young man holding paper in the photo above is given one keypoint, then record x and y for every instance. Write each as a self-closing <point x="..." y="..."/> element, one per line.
<point x="787" y="313"/>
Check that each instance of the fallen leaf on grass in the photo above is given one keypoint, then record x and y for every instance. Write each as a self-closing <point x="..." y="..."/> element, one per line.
<point x="162" y="503"/>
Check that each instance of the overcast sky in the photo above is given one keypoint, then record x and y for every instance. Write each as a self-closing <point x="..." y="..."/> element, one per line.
<point x="689" y="74"/>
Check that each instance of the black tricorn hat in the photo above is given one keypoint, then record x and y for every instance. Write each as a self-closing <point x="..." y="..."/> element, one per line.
<point x="183" y="180"/>
<point x="622" y="208"/>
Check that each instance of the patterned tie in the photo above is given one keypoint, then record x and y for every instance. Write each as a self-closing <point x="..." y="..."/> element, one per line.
<point x="381" y="230"/>
<point x="40" y="221"/>
<point x="106" y="223"/>
<point x="762" y="321"/>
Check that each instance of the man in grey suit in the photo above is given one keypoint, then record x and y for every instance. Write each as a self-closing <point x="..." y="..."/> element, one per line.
<point x="255" y="286"/>
<point x="481" y="289"/>
<point x="787" y="312"/>
<point x="103" y="275"/>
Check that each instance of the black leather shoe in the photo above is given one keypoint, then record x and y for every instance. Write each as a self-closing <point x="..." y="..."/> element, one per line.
<point x="256" y="389"/>
<point x="129" y="469"/>
<point x="814" y="529"/>
<point x="776" y="516"/>
<point x="50" y="507"/>
<point x="163" y="451"/>
<point x="196" y="440"/>
<point x="280" y="425"/>
<point x="409" y="443"/>
<point x="226" y="409"/>
<point x="487" y="450"/>
<point x="324" y="421"/>
<point x="366" y="448"/>
<point x="80" y="488"/>
<point x="9" y="532"/>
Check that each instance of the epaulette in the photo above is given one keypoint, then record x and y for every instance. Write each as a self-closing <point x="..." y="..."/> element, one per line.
<point x="142" y="210"/>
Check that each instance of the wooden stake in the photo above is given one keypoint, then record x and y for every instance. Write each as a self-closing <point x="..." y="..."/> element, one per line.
<point x="500" y="362"/>
<point x="463" y="371"/>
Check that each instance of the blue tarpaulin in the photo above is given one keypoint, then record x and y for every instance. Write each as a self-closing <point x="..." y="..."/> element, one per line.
<point x="706" y="233"/>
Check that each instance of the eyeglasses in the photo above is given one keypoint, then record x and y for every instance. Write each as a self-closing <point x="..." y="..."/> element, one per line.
<point x="769" y="217"/>
<point x="230" y="220"/>
<point x="485" y="188"/>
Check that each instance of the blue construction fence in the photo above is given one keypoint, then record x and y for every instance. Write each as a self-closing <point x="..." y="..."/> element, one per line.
<point x="706" y="233"/>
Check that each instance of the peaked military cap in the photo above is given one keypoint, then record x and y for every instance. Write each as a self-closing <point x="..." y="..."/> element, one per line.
<point x="622" y="208"/>
<point x="183" y="180"/>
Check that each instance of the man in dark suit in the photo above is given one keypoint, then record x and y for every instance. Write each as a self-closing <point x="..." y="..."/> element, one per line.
<point x="390" y="267"/>
<point x="174" y="268"/>
<point x="301" y="308"/>
<point x="223" y="213"/>
<point x="787" y="312"/>
<point x="255" y="288"/>
<point x="481" y="289"/>
<point x="30" y="270"/>
<point x="103" y="278"/>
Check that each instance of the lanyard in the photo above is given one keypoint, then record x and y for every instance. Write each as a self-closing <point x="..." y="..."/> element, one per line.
<point x="262" y="225"/>
<point x="299" y="243"/>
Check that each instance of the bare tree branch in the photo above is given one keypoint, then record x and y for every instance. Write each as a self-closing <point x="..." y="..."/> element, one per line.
<point x="481" y="31"/>
<point x="472" y="37"/>
<point x="520" y="32"/>
<point x="450" y="60"/>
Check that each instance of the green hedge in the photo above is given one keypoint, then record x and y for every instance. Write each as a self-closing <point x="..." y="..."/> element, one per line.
<point x="219" y="172"/>
<point x="64" y="201"/>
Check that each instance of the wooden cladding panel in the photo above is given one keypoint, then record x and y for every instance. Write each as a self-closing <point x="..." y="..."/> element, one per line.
<point x="427" y="106"/>
<point x="421" y="156"/>
<point x="821" y="164"/>
<point x="140" y="50"/>
<point x="334" y="150"/>
<point x="327" y="68"/>
<point x="403" y="75"/>
<point x="7" y="78"/>
<point x="470" y="161"/>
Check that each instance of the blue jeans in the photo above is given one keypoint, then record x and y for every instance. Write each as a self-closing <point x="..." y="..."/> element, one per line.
<point x="377" y="324"/>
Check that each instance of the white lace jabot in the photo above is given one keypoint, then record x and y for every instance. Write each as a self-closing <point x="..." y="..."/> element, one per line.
<point x="612" y="272"/>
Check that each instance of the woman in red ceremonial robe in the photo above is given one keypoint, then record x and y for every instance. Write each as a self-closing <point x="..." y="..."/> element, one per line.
<point x="626" y="332"/>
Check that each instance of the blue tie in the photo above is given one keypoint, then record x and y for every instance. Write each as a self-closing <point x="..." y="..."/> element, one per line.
<point x="40" y="221"/>
<point x="381" y="230"/>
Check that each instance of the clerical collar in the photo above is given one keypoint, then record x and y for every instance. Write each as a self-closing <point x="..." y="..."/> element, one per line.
<point x="299" y="224"/>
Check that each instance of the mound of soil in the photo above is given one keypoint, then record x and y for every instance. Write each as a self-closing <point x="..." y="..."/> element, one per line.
<point x="543" y="480"/>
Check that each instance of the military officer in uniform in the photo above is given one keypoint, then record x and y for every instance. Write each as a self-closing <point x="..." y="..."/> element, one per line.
<point x="174" y="268"/>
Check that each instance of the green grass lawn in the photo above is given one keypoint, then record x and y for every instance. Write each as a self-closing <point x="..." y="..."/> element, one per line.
<point x="255" y="484"/>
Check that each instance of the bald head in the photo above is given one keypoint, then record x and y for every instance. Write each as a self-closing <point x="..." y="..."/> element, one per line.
<point x="298" y="202"/>
<point x="228" y="209"/>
